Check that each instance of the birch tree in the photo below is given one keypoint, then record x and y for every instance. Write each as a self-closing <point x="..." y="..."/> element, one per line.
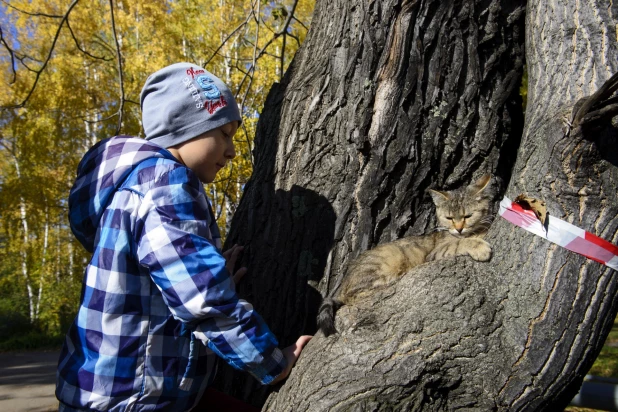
<point x="72" y="73"/>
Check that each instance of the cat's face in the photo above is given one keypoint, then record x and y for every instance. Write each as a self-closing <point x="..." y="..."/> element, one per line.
<point x="464" y="212"/>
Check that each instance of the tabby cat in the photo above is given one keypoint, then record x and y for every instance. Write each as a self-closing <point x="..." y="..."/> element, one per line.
<point x="463" y="219"/>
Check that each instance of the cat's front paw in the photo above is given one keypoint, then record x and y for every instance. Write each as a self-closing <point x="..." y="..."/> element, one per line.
<point x="481" y="251"/>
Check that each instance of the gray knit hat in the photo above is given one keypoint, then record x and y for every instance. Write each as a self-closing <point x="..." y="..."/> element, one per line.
<point x="183" y="101"/>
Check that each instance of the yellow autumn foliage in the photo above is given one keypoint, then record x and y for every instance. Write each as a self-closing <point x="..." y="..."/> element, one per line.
<point x="64" y="89"/>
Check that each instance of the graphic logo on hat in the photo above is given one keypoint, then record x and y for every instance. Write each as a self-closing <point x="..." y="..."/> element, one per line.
<point x="192" y="71"/>
<point x="214" y="98"/>
<point x="211" y="91"/>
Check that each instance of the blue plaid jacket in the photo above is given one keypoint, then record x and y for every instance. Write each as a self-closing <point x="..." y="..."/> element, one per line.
<point x="157" y="301"/>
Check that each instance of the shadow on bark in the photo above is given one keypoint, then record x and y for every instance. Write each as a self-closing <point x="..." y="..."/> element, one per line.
<point x="287" y="235"/>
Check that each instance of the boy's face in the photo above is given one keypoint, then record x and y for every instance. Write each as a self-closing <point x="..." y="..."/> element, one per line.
<point x="208" y="153"/>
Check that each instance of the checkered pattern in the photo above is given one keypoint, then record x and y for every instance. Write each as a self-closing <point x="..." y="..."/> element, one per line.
<point x="155" y="289"/>
<point x="562" y="233"/>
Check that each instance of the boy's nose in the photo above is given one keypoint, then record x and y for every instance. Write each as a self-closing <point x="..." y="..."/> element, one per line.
<point x="230" y="153"/>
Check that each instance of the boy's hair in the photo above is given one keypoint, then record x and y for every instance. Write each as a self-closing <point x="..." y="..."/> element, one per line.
<point x="183" y="101"/>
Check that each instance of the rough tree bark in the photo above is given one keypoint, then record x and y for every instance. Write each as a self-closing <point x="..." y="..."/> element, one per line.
<point x="384" y="100"/>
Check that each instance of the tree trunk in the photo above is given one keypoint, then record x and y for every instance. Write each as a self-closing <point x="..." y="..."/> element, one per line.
<point x="23" y="215"/>
<point x="43" y="260"/>
<point x="387" y="99"/>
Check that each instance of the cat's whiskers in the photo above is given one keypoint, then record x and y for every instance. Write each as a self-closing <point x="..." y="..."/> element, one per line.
<point x="481" y="226"/>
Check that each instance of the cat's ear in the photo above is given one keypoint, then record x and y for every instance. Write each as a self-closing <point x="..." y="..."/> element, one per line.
<point x="480" y="185"/>
<point x="438" y="196"/>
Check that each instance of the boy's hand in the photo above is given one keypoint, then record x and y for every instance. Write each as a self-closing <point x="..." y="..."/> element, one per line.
<point x="230" y="256"/>
<point x="291" y="354"/>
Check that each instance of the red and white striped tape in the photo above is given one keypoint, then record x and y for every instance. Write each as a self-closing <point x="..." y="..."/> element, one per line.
<point x="562" y="233"/>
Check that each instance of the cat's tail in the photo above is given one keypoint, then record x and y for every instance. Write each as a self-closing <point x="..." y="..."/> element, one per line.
<point x="326" y="315"/>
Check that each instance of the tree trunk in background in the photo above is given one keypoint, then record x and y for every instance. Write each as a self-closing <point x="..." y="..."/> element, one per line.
<point x="387" y="99"/>
<point x="23" y="214"/>
<point x="43" y="260"/>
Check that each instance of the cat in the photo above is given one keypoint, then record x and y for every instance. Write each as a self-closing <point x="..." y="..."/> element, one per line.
<point x="463" y="219"/>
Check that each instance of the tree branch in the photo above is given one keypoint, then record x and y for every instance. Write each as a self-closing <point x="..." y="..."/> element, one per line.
<point x="82" y="50"/>
<point x="301" y="23"/>
<point x="52" y="16"/>
<point x="244" y="128"/>
<point x="276" y="35"/>
<point x="103" y="43"/>
<point x="241" y="25"/>
<point x="51" y="50"/>
<point x="102" y="119"/>
<point x="282" y="58"/>
<point x="120" y="74"/>
<point x="596" y="100"/>
<point x="11" y="53"/>
<point x="252" y="68"/>
<point x="23" y="57"/>
<point x="295" y="38"/>
<point x="606" y="112"/>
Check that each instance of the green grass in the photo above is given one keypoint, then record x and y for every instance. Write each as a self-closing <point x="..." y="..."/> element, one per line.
<point x="606" y="364"/>
<point x="32" y="340"/>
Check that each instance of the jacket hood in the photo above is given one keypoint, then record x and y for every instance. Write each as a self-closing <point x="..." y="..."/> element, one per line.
<point x="101" y="172"/>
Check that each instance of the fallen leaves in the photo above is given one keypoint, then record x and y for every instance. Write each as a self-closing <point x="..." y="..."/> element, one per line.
<point x="536" y="205"/>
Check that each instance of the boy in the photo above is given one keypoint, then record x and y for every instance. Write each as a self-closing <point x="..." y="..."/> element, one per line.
<point x="158" y="301"/>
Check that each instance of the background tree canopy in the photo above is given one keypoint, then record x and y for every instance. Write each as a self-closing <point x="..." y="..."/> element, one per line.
<point x="72" y="74"/>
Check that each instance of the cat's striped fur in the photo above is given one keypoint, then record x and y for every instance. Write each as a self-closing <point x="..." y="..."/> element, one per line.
<point x="463" y="219"/>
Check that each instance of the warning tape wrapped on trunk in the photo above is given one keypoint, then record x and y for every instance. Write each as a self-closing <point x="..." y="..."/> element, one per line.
<point x="561" y="233"/>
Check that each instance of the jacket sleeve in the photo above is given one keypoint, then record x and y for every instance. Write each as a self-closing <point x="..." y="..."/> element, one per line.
<point x="173" y="242"/>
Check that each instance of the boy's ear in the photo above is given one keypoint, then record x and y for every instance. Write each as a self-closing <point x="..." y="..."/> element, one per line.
<point x="438" y="196"/>
<point x="480" y="185"/>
